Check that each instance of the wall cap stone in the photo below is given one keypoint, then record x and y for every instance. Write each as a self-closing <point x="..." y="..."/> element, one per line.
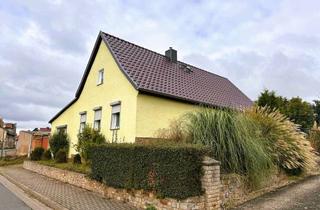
<point x="208" y="161"/>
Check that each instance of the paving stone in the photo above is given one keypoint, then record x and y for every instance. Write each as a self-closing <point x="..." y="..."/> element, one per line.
<point x="69" y="196"/>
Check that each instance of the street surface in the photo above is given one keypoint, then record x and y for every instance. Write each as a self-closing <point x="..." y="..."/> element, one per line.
<point x="300" y="196"/>
<point x="8" y="201"/>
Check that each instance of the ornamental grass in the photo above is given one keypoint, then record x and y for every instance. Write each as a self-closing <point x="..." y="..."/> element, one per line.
<point x="255" y="142"/>
<point x="288" y="146"/>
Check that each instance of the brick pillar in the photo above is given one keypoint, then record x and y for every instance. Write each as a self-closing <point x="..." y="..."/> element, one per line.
<point x="211" y="183"/>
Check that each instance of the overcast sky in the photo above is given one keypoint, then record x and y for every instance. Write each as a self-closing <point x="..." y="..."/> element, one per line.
<point x="45" y="45"/>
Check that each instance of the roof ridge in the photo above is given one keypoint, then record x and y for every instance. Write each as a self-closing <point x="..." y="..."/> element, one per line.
<point x="133" y="43"/>
<point x="182" y="62"/>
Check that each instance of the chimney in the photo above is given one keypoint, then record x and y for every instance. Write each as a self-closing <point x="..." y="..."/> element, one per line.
<point x="171" y="54"/>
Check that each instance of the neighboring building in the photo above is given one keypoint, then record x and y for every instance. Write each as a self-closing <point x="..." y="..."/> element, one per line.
<point x="39" y="137"/>
<point x="11" y="129"/>
<point x="129" y="92"/>
<point x="23" y="143"/>
<point x="8" y="134"/>
<point x="3" y="132"/>
<point x="1" y="123"/>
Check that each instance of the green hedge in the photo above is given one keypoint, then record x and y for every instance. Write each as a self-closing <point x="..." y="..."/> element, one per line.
<point x="169" y="171"/>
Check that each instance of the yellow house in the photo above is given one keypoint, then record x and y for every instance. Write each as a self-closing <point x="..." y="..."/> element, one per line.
<point x="129" y="92"/>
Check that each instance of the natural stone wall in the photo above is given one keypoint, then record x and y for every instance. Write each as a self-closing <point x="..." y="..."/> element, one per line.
<point x="209" y="200"/>
<point x="235" y="189"/>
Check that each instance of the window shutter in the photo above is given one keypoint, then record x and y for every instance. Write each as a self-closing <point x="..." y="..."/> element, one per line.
<point x="97" y="114"/>
<point x="83" y="118"/>
<point x="115" y="109"/>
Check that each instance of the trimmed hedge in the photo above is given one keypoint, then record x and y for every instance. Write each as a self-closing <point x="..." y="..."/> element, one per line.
<point x="169" y="171"/>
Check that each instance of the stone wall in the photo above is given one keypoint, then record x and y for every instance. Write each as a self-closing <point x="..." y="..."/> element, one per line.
<point x="235" y="188"/>
<point x="210" y="200"/>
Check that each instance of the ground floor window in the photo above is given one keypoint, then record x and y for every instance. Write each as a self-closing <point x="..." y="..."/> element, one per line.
<point x="115" y="116"/>
<point x="83" y="119"/>
<point x="62" y="129"/>
<point x="97" y="119"/>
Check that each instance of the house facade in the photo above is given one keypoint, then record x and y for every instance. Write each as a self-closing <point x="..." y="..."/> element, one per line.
<point x="129" y="92"/>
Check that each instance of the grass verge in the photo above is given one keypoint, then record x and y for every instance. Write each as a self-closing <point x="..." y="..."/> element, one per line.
<point x="11" y="161"/>
<point x="80" y="168"/>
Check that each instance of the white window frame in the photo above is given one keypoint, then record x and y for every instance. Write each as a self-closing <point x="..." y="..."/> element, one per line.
<point x="100" y="77"/>
<point x="115" y="115"/>
<point x="97" y="118"/>
<point x="83" y="121"/>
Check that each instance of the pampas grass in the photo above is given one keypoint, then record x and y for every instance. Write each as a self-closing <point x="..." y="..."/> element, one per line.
<point x="233" y="139"/>
<point x="288" y="146"/>
<point x="254" y="142"/>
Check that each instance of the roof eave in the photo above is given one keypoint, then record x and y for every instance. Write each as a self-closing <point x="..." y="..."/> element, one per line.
<point x="83" y="79"/>
<point x="185" y="100"/>
<point x="87" y="71"/>
<point x="117" y="61"/>
<point x="89" y="64"/>
<point x="62" y="110"/>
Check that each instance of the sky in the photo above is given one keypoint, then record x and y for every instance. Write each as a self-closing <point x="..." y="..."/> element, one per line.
<point x="45" y="46"/>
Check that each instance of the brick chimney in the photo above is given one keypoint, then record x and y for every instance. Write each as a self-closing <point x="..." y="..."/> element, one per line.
<point x="171" y="54"/>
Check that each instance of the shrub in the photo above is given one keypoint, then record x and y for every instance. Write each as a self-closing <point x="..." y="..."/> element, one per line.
<point x="61" y="156"/>
<point x="87" y="138"/>
<point x="58" y="141"/>
<point x="285" y="142"/>
<point x="47" y="155"/>
<point x="37" y="153"/>
<point x="175" y="132"/>
<point x="77" y="159"/>
<point x="314" y="138"/>
<point x="169" y="171"/>
<point x="233" y="141"/>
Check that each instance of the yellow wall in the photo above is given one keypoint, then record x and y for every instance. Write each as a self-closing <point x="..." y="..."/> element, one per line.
<point x="115" y="87"/>
<point x="154" y="113"/>
<point x="141" y="115"/>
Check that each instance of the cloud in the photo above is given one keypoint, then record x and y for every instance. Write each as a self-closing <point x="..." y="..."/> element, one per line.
<point x="45" y="45"/>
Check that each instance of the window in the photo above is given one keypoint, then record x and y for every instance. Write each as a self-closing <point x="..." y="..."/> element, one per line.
<point x="83" y="119"/>
<point x="115" y="117"/>
<point x="100" y="77"/>
<point x="62" y="129"/>
<point x="97" y="119"/>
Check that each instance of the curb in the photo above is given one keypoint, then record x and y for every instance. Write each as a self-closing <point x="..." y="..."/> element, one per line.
<point x="43" y="199"/>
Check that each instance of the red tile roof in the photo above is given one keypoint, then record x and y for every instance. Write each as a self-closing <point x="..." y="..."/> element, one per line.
<point x="153" y="73"/>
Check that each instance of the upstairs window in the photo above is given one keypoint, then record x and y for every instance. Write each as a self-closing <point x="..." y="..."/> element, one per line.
<point x="62" y="129"/>
<point x="115" y="116"/>
<point x="97" y="119"/>
<point x="100" y="77"/>
<point x="83" y="119"/>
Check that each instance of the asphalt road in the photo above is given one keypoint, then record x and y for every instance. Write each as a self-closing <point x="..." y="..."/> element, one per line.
<point x="8" y="201"/>
<point x="300" y="196"/>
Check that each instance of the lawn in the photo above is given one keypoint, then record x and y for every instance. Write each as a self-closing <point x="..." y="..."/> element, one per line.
<point x="11" y="161"/>
<point x="80" y="168"/>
